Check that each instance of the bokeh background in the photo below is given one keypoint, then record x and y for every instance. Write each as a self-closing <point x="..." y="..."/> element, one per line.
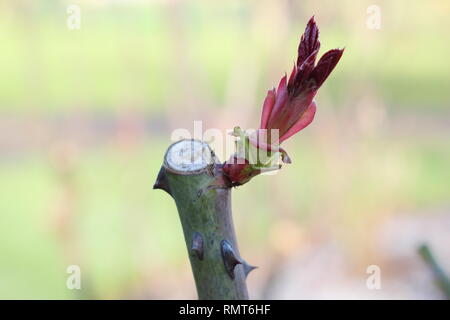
<point x="86" y="116"/>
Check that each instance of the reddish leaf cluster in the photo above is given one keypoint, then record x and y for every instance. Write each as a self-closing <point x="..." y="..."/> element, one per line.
<point x="289" y="108"/>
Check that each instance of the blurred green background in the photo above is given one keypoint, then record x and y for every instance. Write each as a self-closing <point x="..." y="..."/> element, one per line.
<point x="86" y="116"/>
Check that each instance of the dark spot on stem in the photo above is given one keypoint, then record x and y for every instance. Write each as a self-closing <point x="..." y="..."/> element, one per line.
<point x="197" y="245"/>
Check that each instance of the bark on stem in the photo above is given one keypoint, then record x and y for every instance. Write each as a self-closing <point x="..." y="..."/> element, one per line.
<point x="192" y="175"/>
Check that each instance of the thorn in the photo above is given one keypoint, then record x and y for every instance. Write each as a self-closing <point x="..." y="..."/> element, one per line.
<point x="161" y="181"/>
<point x="285" y="157"/>
<point x="248" y="268"/>
<point x="197" y="245"/>
<point x="230" y="260"/>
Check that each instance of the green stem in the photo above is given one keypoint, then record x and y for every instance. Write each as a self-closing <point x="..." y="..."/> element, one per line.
<point x="203" y="200"/>
<point x="442" y="279"/>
